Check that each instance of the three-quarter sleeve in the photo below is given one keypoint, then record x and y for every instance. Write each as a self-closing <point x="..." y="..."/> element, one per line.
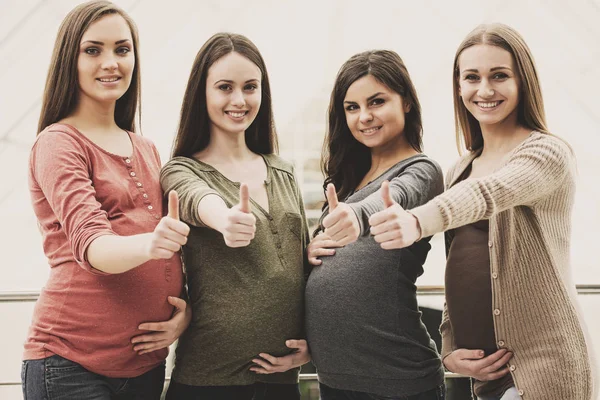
<point x="536" y="168"/>
<point x="414" y="185"/>
<point x="61" y="171"/>
<point x="191" y="188"/>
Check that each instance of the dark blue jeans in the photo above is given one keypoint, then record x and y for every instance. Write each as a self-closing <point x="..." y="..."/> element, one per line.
<point x="56" y="378"/>
<point x="329" y="393"/>
<point x="257" y="391"/>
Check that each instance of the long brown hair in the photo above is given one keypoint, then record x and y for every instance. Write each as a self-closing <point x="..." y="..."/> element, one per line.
<point x="61" y="94"/>
<point x="345" y="160"/>
<point x="193" y="134"/>
<point x="530" y="110"/>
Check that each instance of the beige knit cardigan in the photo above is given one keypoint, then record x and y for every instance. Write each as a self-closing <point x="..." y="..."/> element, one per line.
<point x="528" y="202"/>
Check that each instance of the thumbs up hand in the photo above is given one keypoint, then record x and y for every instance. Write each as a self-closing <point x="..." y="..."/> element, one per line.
<point x="393" y="227"/>
<point x="170" y="233"/>
<point x="240" y="224"/>
<point x="341" y="224"/>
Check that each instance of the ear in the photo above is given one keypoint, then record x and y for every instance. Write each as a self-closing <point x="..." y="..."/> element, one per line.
<point x="407" y="107"/>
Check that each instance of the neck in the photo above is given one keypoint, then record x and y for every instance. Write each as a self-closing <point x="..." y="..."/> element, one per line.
<point x="501" y="138"/>
<point x="384" y="157"/>
<point x="94" y="116"/>
<point x="226" y="146"/>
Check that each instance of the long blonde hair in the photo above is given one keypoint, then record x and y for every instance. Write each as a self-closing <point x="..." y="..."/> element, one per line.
<point x="61" y="94"/>
<point x="530" y="110"/>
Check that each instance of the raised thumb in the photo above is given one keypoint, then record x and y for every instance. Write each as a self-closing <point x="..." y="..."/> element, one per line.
<point x="332" y="199"/>
<point x="244" y="198"/>
<point x="173" y="207"/>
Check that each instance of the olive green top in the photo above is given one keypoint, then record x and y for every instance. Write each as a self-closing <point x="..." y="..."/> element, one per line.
<point x="245" y="300"/>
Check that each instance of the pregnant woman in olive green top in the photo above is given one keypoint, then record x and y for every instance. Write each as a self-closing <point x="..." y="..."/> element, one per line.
<point x="245" y="255"/>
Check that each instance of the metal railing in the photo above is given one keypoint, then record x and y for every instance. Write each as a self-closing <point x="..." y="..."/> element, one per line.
<point x="30" y="296"/>
<point x="25" y="296"/>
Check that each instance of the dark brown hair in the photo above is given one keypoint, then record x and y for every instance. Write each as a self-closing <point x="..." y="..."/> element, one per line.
<point x="345" y="160"/>
<point x="530" y="110"/>
<point x="193" y="134"/>
<point x="61" y="94"/>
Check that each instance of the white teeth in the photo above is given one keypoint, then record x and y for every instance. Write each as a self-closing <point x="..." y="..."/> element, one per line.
<point x="370" y="130"/>
<point x="236" y="114"/>
<point x="108" y="79"/>
<point x="488" y="105"/>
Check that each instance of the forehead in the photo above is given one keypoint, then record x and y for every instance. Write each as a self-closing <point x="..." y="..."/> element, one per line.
<point x="109" y="28"/>
<point x="365" y="87"/>
<point x="235" y="67"/>
<point x="483" y="57"/>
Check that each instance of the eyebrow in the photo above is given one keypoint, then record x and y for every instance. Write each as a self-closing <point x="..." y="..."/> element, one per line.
<point x="368" y="98"/>
<point x="102" y="43"/>
<point x="491" y="70"/>
<point x="230" y="81"/>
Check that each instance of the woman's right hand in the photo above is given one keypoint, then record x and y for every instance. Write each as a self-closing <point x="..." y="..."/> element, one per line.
<point x="475" y="364"/>
<point x="170" y="233"/>
<point x="239" y="223"/>
<point x="321" y="245"/>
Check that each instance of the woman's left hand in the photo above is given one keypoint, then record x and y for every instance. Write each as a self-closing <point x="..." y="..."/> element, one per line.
<point x="165" y="332"/>
<point x="268" y="364"/>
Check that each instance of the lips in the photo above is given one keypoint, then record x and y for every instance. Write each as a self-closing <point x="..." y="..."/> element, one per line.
<point x="370" y="131"/>
<point x="236" y="115"/>
<point x="488" y="105"/>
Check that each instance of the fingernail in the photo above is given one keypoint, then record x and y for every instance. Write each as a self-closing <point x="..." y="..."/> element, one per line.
<point x="481" y="354"/>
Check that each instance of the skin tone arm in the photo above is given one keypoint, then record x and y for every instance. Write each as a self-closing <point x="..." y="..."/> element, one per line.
<point x="237" y="224"/>
<point x="115" y="254"/>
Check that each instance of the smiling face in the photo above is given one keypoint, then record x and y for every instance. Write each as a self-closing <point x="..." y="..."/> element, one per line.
<point x="233" y="94"/>
<point x="106" y="60"/>
<point x="375" y="114"/>
<point x="489" y="84"/>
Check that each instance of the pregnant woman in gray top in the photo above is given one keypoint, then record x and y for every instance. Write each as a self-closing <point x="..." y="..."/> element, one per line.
<point x="363" y="324"/>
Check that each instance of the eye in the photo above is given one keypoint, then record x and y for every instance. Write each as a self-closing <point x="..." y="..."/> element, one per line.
<point x="251" y="87"/>
<point x="377" y="102"/>
<point x="123" y="50"/>
<point x="500" y="76"/>
<point x="471" y="78"/>
<point x="225" y="87"/>
<point x="92" y="51"/>
<point x="351" y="107"/>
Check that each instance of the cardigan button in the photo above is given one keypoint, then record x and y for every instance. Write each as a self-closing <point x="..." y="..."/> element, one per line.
<point x="495" y="275"/>
<point x="490" y="244"/>
<point x="521" y="393"/>
<point x="512" y="368"/>
<point x="501" y="343"/>
<point x="496" y="312"/>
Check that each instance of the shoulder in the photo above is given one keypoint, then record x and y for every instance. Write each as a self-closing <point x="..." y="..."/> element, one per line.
<point x="187" y="163"/>
<point x="424" y="162"/>
<point x="58" y="138"/>
<point x="546" y="142"/>
<point x="278" y="163"/>
<point x="142" y="141"/>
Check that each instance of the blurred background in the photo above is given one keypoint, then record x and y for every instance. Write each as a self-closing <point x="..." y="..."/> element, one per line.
<point x="304" y="43"/>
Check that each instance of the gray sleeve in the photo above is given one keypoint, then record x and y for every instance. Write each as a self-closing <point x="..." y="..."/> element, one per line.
<point x="410" y="187"/>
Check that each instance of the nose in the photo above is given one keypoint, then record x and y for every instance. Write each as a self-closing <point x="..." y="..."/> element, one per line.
<point x="365" y="116"/>
<point x="109" y="62"/>
<point x="237" y="99"/>
<point x="485" y="90"/>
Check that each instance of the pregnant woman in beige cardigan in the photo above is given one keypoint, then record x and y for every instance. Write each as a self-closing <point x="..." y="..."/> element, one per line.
<point x="510" y="320"/>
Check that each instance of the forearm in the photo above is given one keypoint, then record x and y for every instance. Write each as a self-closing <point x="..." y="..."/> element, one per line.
<point x="212" y="212"/>
<point x="115" y="254"/>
